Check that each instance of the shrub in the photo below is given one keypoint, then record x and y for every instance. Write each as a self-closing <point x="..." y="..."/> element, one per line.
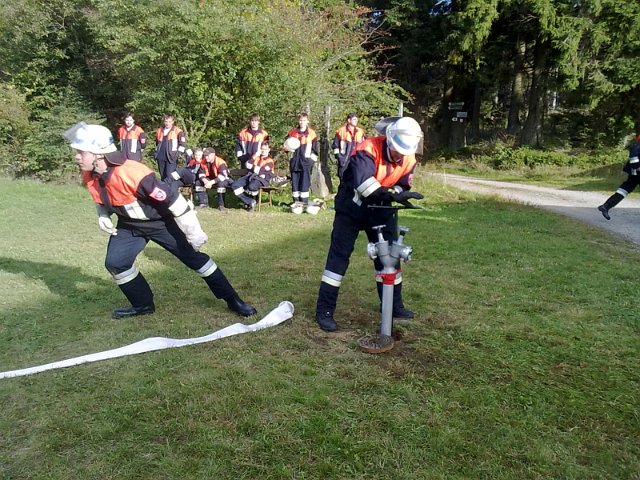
<point x="44" y="153"/>
<point x="504" y="156"/>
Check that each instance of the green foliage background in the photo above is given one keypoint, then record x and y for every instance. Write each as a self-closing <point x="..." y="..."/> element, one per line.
<point x="210" y="63"/>
<point x="556" y="74"/>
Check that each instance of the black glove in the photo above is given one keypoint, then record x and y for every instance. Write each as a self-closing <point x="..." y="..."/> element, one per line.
<point x="404" y="197"/>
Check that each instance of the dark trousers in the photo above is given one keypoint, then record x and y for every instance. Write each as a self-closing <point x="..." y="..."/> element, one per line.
<point x="343" y="163"/>
<point x="131" y="239"/>
<point x="343" y="238"/>
<point x="250" y="182"/>
<point x="201" y="193"/>
<point x="630" y="184"/>
<point x="165" y="167"/>
<point x="301" y="181"/>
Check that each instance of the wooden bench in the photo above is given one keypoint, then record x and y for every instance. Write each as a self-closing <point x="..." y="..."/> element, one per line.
<point x="236" y="173"/>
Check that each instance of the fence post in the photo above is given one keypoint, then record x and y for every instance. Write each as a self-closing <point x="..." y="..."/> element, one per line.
<point x="319" y="184"/>
<point x="326" y="147"/>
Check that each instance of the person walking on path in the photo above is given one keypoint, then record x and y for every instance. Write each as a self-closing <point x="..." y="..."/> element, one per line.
<point x="632" y="169"/>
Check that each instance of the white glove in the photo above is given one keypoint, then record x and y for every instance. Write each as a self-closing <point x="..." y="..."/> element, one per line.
<point x="104" y="221"/>
<point x="190" y="225"/>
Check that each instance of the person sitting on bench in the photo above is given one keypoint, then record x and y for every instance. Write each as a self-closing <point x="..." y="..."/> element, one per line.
<point x="260" y="173"/>
<point x="216" y="175"/>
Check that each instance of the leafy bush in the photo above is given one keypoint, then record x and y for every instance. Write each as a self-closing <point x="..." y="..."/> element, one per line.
<point x="14" y="123"/>
<point x="44" y="153"/>
<point x="504" y="156"/>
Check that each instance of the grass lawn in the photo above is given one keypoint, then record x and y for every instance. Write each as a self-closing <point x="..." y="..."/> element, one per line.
<point x="605" y="178"/>
<point x="522" y="361"/>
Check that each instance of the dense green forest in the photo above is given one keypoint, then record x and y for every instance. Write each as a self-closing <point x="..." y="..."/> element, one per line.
<point x="538" y="73"/>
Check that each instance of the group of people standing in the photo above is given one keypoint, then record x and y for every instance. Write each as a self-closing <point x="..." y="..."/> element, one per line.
<point x="374" y="172"/>
<point x="253" y="155"/>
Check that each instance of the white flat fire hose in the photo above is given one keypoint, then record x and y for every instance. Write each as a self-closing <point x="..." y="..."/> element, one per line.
<point x="282" y="312"/>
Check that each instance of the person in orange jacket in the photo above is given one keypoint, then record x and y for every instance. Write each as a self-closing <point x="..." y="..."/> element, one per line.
<point x="216" y="175"/>
<point x="302" y="160"/>
<point x="147" y="210"/>
<point x="170" y="144"/>
<point x="260" y="174"/>
<point x="380" y="172"/>
<point x="249" y="140"/>
<point x="132" y="138"/>
<point x="632" y="169"/>
<point x="347" y="137"/>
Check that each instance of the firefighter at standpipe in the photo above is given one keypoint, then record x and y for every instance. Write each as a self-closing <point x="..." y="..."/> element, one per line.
<point x="147" y="209"/>
<point x="379" y="173"/>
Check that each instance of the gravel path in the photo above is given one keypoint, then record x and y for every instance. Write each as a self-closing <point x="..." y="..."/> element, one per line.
<point x="625" y="218"/>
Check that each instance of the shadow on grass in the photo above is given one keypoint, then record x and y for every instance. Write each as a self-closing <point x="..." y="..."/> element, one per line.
<point x="60" y="279"/>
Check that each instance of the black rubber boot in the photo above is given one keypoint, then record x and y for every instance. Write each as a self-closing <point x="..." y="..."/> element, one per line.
<point x="133" y="311"/>
<point x="221" y="288"/>
<point x="221" y="202"/>
<point x="399" y="310"/>
<point x="326" y="305"/>
<point x="246" y="199"/>
<point x="236" y="305"/>
<point x="139" y="294"/>
<point x="611" y="202"/>
<point x="326" y="322"/>
<point x="203" y="200"/>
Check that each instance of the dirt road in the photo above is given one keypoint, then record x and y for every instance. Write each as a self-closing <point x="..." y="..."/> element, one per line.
<point x="625" y="219"/>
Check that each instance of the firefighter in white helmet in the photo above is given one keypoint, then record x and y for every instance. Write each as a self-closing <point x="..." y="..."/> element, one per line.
<point x="379" y="173"/>
<point x="147" y="209"/>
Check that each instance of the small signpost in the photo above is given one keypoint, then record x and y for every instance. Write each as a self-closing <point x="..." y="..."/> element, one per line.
<point x="458" y="134"/>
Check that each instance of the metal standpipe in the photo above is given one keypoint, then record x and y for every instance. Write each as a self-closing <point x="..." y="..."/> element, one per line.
<point x="390" y="254"/>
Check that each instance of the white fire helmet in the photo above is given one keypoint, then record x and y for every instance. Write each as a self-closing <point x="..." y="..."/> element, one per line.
<point x="90" y="138"/>
<point x="405" y="136"/>
<point x="291" y="144"/>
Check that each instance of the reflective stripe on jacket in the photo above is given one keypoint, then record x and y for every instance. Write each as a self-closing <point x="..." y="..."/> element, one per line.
<point x="175" y="138"/>
<point x="346" y="139"/>
<point x="307" y="153"/>
<point x="249" y="141"/>
<point x="132" y="142"/>
<point x="262" y="167"/>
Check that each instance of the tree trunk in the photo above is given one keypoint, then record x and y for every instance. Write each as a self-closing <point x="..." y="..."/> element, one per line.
<point x="475" y="112"/>
<point x="532" y="131"/>
<point x="517" y="89"/>
<point x="447" y="97"/>
<point x="326" y="147"/>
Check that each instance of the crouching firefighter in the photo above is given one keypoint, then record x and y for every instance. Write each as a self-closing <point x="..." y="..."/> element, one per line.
<point x="379" y="173"/>
<point x="147" y="209"/>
